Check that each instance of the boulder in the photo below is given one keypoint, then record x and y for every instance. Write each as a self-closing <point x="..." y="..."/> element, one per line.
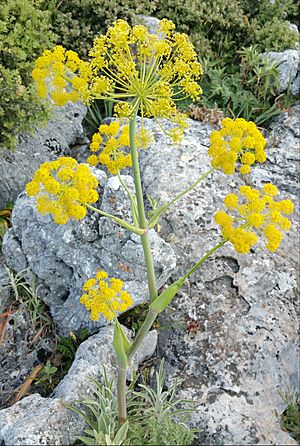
<point x="288" y="69"/>
<point x="45" y="144"/>
<point x="232" y="332"/>
<point x="47" y="421"/>
<point x="4" y="287"/>
<point x="63" y="257"/>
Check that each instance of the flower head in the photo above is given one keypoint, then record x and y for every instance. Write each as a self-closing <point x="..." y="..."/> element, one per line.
<point x="63" y="187"/>
<point x="105" y="296"/>
<point x="257" y="213"/>
<point x="110" y="147"/>
<point x="137" y="70"/>
<point x="238" y="140"/>
<point x="63" y="75"/>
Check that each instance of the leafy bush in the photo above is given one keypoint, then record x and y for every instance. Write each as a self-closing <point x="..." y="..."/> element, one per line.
<point x="290" y="418"/>
<point x="241" y="83"/>
<point x="155" y="417"/>
<point x="223" y="26"/>
<point x="77" y="22"/>
<point x="24" y="32"/>
<point x="250" y="93"/>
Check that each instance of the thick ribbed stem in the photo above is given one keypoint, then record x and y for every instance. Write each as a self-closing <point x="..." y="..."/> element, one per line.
<point x="121" y="384"/>
<point x="141" y="211"/>
<point x="151" y="316"/>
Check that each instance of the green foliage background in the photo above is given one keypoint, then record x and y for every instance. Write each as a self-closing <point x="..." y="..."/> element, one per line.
<point x="219" y="30"/>
<point x="24" y="32"/>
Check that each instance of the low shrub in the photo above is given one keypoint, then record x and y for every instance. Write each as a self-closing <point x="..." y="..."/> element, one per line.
<point x="24" y="32"/>
<point x="77" y="22"/>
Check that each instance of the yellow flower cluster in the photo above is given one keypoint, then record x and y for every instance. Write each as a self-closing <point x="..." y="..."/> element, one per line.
<point x="105" y="296"/>
<point x="256" y="213"/>
<point x="238" y="140"/>
<point x="63" y="75"/>
<point x="63" y="187"/>
<point x="140" y="71"/>
<point x="114" y="143"/>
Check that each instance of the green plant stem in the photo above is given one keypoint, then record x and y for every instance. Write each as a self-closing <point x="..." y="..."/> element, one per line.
<point x="166" y="206"/>
<point x="121" y="222"/>
<point x="141" y="211"/>
<point x="192" y="270"/>
<point x="132" y="201"/>
<point x="121" y="386"/>
<point x="150" y="318"/>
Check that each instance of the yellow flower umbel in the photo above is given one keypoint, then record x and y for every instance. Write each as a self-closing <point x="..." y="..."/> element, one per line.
<point x="63" y="75"/>
<point x="139" y="71"/>
<point x="113" y="143"/>
<point x="63" y="187"/>
<point x="238" y="140"/>
<point x="256" y="213"/>
<point x="104" y="296"/>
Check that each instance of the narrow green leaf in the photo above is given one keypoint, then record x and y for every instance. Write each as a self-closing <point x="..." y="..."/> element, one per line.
<point x="121" y="345"/>
<point x="163" y="300"/>
<point x="121" y="434"/>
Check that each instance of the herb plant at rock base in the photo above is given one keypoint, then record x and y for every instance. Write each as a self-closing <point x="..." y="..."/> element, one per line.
<point x="218" y="31"/>
<point x="145" y="74"/>
<point x="250" y="90"/>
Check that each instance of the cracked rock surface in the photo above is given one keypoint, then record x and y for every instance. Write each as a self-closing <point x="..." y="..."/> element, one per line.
<point x="231" y="333"/>
<point x="47" y="421"/>
<point x="288" y="69"/>
<point x="18" y="166"/>
<point x="63" y="257"/>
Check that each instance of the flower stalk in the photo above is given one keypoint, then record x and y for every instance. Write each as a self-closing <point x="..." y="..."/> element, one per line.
<point x="121" y="389"/>
<point x="141" y="211"/>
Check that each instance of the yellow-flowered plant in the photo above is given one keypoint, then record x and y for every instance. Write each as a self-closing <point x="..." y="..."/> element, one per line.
<point x="139" y="71"/>
<point x="110" y="146"/>
<point x="63" y="189"/>
<point x="257" y="213"/>
<point x="115" y="147"/>
<point x="104" y="296"/>
<point x="237" y="141"/>
<point x="146" y="74"/>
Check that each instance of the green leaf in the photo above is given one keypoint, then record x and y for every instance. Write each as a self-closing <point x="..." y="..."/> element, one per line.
<point x="121" y="346"/>
<point x="86" y="440"/>
<point x="121" y="434"/>
<point x="163" y="300"/>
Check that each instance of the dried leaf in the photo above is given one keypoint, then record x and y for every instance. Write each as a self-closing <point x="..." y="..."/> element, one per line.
<point x="213" y="116"/>
<point x="23" y="389"/>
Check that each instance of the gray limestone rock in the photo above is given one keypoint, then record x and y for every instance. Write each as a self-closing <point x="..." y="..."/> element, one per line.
<point x="150" y="22"/>
<point x="47" y="421"/>
<point x="288" y="69"/>
<point x="231" y="333"/>
<point x="4" y="288"/>
<point x="63" y="257"/>
<point x="17" y="166"/>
